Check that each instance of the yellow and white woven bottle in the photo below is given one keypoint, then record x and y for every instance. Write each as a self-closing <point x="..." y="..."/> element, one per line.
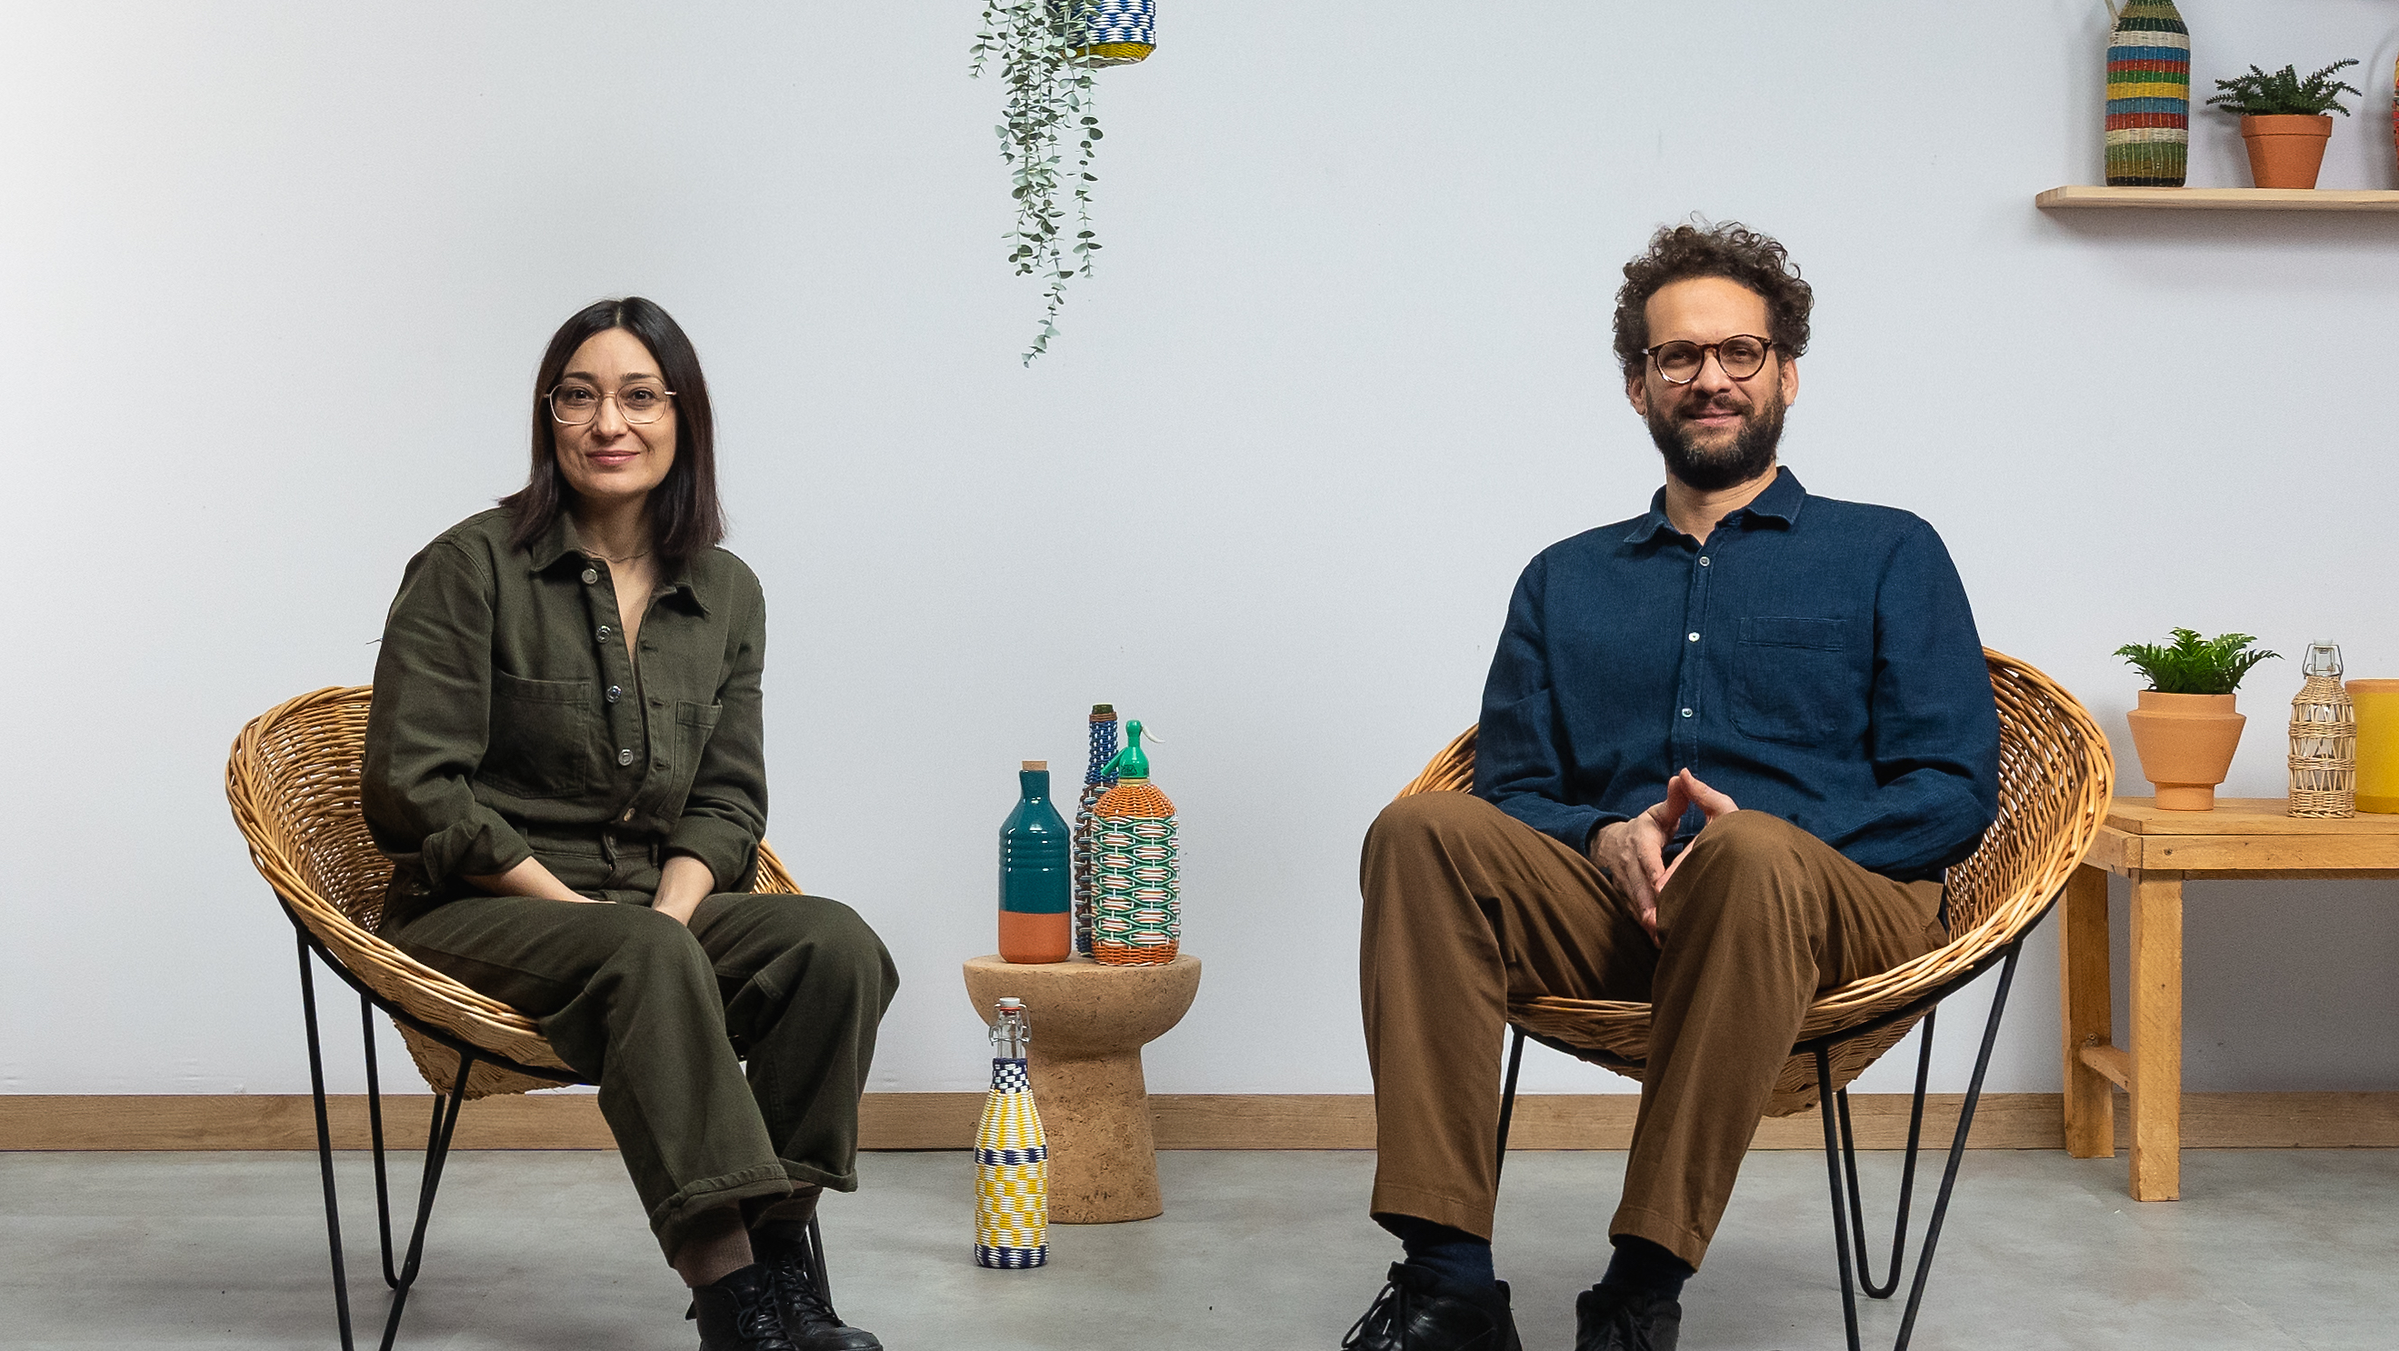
<point x="1012" y="1163"/>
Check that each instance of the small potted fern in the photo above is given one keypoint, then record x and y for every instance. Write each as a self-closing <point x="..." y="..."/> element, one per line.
<point x="2186" y="729"/>
<point x="2285" y="120"/>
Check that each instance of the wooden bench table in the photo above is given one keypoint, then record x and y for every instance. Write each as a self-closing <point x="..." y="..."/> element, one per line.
<point x="2157" y="851"/>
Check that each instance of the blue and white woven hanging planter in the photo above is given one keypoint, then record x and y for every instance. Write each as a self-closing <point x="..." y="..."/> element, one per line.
<point x="1116" y="32"/>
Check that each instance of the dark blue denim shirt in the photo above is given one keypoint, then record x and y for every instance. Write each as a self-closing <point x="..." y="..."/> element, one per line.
<point x="1813" y="658"/>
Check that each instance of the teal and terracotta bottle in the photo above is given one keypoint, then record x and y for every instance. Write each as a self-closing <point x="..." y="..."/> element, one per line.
<point x="1035" y="874"/>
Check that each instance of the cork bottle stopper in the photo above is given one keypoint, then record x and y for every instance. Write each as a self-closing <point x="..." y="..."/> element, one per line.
<point x="1042" y="765"/>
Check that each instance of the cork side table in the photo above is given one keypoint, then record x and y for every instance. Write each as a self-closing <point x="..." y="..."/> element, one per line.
<point x="1089" y="1025"/>
<point x="2157" y="851"/>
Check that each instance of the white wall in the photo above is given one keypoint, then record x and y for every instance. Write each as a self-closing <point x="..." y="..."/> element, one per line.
<point x="276" y="276"/>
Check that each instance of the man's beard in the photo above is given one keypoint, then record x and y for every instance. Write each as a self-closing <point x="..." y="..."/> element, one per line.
<point x="1750" y="455"/>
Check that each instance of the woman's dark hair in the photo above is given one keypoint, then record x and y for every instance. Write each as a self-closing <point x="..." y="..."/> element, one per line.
<point x="1731" y="251"/>
<point x="684" y="513"/>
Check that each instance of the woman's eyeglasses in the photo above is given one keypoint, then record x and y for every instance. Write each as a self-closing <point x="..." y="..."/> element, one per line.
<point x="575" y="405"/>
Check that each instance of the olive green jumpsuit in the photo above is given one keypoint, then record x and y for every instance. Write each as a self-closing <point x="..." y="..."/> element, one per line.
<point x="511" y="722"/>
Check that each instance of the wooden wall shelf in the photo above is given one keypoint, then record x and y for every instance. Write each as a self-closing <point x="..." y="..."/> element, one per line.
<point x="2219" y="199"/>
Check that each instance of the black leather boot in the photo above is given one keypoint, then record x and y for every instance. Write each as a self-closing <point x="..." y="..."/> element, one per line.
<point x="1413" y="1314"/>
<point x="800" y="1292"/>
<point x="738" y="1312"/>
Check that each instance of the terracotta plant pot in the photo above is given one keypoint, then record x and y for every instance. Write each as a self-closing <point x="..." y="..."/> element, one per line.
<point x="2286" y="151"/>
<point x="2185" y="742"/>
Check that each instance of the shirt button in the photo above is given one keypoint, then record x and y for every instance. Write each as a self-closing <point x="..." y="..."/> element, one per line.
<point x="615" y="692"/>
<point x="590" y="575"/>
<point x="1695" y="637"/>
<point x="625" y="757"/>
<point x="604" y="631"/>
<point x="1686" y="713"/>
<point x="1703" y="560"/>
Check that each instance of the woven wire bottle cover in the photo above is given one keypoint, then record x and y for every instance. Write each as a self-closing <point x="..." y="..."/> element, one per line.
<point x="2323" y="740"/>
<point x="1116" y="32"/>
<point x="1137" y="907"/>
<point x="1097" y="779"/>
<point x="1138" y="919"/>
<point x="2148" y="96"/>
<point x="1012" y="1171"/>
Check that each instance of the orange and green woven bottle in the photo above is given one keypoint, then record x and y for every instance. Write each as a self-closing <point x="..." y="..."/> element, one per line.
<point x="1137" y="911"/>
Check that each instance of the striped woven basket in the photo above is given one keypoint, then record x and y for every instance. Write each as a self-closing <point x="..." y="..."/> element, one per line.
<point x="2148" y="97"/>
<point x="1115" y="32"/>
<point x="292" y="781"/>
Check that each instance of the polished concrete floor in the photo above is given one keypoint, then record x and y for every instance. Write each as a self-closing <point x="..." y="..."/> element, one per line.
<point x="2271" y="1249"/>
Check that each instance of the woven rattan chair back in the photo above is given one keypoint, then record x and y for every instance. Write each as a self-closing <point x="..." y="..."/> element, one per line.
<point x="292" y="780"/>
<point x="2055" y="777"/>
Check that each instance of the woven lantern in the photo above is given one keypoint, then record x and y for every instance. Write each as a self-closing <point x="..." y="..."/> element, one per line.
<point x="2323" y="739"/>
<point x="2148" y="96"/>
<point x="1137" y="908"/>
<point x="1115" y="32"/>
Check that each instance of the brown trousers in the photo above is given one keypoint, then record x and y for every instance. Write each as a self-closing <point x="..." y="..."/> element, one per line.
<point x="1467" y="907"/>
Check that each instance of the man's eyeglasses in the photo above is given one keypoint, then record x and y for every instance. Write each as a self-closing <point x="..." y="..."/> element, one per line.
<point x="575" y="405"/>
<point x="1742" y="356"/>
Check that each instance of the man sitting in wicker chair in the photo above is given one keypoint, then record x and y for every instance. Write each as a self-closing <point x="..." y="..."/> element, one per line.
<point x="1740" y="645"/>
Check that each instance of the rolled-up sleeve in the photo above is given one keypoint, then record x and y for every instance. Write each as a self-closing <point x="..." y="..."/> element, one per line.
<point x="725" y="814"/>
<point x="430" y="723"/>
<point x="1518" y="766"/>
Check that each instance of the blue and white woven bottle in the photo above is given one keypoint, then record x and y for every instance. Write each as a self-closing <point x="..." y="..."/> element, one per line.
<point x="1012" y="1161"/>
<point x="1098" y="778"/>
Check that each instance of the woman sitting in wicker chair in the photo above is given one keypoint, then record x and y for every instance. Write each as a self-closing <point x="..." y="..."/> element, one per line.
<point x="565" y="760"/>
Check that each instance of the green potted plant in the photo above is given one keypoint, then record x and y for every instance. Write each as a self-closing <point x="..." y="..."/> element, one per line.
<point x="2285" y="120"/>
<point x="2185" y="729"/>
<point x="1047" y="51"/>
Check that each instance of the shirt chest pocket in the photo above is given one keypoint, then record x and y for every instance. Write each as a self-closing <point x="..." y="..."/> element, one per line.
<point x="694" y="723"/>
<point x="1799" y="680"/>
<point x="543" y="735"/>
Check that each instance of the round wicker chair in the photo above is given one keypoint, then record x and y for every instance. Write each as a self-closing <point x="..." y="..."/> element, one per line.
<point x="2055" y="777"/>
<point x="292" y="781"/>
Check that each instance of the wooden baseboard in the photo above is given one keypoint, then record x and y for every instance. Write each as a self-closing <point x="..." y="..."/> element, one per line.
<point x="1184" y="1121"/>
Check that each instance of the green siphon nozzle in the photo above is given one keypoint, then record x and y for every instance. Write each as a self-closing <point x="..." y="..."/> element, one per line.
<point x="1131" y="762"/>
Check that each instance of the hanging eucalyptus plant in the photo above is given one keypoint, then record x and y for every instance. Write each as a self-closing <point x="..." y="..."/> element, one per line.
<point x="1047" y="68"/>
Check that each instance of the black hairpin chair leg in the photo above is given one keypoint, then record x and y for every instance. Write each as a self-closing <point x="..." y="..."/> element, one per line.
<point x="437" y="1151"/>
<point x="1840" y="1149"/>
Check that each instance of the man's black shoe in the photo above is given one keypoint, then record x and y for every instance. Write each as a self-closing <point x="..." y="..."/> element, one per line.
<point x="1411" y="1314"/>
<point x="1606" y="1320"/>
<point x="808" y="1317"/>
<point x="738" y="1313"/>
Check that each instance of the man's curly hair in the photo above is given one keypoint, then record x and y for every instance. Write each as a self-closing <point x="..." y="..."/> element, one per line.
<point x="1730" y="250"/>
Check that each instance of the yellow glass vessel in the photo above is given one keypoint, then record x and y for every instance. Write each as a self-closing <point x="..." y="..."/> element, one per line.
<point x="2377" y="744"/>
